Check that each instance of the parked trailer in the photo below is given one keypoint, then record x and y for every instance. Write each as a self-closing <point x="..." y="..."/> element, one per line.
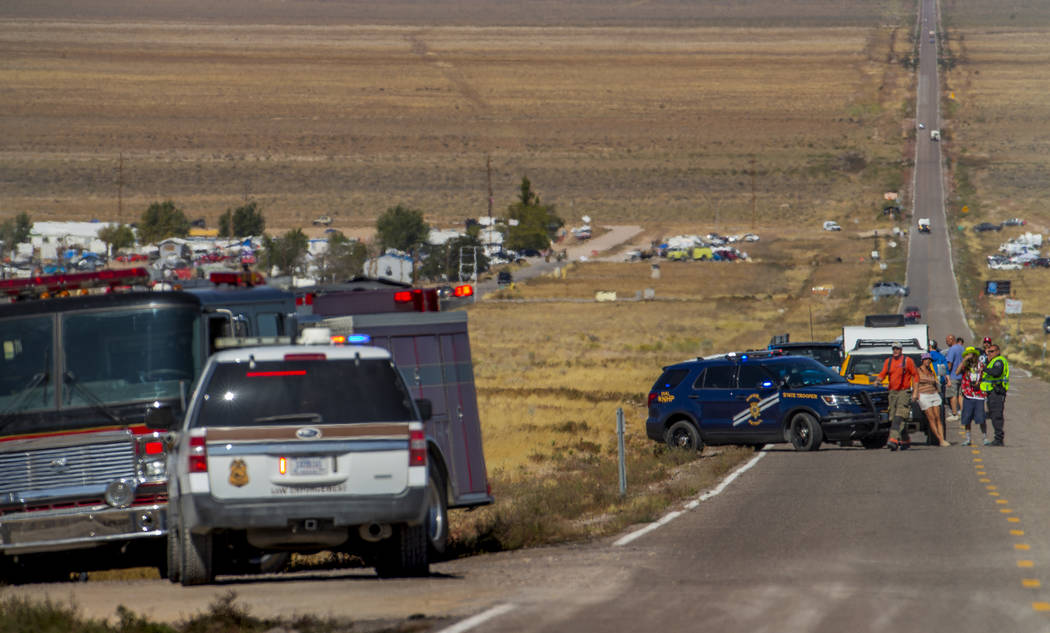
<point x="432" y="350"/>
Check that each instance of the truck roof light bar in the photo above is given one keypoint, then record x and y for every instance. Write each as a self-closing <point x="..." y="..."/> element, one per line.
<point x="66" y="284"/>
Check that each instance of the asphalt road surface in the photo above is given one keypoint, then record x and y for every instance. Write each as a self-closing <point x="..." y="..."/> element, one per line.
<point x="844" y="539"/>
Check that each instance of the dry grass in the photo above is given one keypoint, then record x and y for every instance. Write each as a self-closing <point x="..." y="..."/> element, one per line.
<point x="1000" y="140"/>
<point x="651" y="124"/>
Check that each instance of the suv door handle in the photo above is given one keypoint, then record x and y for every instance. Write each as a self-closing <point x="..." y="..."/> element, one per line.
<point x="694" y="397"/>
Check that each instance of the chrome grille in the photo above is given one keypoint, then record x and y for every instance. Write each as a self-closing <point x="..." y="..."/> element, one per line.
<point x="67" y="466"/>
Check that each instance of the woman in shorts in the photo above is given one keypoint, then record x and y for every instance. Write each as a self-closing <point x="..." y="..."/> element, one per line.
<point x="972" y="396"/>
<point x="927" y="391"/>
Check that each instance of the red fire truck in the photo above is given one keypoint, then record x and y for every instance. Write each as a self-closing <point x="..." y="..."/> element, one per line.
<point x="83" y="482"/>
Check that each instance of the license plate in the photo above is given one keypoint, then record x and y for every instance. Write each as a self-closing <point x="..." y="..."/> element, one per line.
<point x="309" y="465"/>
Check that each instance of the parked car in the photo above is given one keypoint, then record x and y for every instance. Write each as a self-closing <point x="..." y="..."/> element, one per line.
<point x="889" y="289"/>
<point x="323" y="220"/>
<point x="912" y="314"/>
<point x="1014" y="222"/>
<point x="504" y="278"/>
<point x="1046" y="325"/>
<point x="1039" y="262"/>
<point x="831" y="225"/>
<point x="924" y="225"/>
<point x="987" y="226"/>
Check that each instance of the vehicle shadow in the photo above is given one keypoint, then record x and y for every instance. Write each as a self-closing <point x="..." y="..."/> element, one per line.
<point x="353" y="575"/>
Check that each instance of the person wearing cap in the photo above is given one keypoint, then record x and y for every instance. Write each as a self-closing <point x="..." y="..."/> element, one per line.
<point x="899" y="371"/>
<point x="995" y="382"/>
<point x="985" y="344"/>
<point x="973" y="397"/>
<point x="927" y="392"/>
<point x="954" y="356"/>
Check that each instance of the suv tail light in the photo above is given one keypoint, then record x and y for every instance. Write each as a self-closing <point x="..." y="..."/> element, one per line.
<point x="652" y="398"/>
<point x="417" y="448"/>
<point x="198" y="454"/>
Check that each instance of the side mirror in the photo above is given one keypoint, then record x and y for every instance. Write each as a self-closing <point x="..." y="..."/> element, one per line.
<point x="426" y="408"/>
<point x="849" y="376"/>
<point x="160" y="418"/>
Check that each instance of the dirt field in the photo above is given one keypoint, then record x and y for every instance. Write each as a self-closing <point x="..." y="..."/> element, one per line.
<point x="333" y="108"/>
<point x="999" y="142"/>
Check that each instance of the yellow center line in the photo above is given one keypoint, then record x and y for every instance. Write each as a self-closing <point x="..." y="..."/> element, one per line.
<point x="991" y="487"/>
<point x="1022" y="546"/>
<point x="1041" y="606"/>
<point x="1031" y="583"/>
<point x="977" y="459"/>
<point x="981" y="472"/>
<point x="1025" y="563"/>
<point x="1003" y="501"/>
<point x="1005" y="510"/>
<point x="1013" y="519"/>
<point x="993" y="494"/>
<point x="976" y="452"/>
<point x="1017" y="532"/>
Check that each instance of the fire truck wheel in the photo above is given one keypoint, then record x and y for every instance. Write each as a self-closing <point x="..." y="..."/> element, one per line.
<point x="437" y="514"/>
<point x="197" y="567"/>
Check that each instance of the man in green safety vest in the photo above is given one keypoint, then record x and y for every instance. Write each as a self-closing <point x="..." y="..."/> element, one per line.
<point x="995" y="382"/>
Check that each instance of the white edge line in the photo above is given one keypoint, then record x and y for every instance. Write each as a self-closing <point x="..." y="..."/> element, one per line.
<point x="481" y="618"/>
<point x="692" y="505"/>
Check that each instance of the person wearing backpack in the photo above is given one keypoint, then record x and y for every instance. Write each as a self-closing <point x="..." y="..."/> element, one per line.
<point x="902" y="375"/>
<point x="995" y="382"/>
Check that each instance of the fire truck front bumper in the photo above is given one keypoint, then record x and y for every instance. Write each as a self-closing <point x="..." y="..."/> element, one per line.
<point x="82" y="527"/>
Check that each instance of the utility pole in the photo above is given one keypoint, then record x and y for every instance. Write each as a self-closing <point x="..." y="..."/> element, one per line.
<point x="754" y="197"/>
<point x="120" y="189"/>
<point x="488" y="171"/>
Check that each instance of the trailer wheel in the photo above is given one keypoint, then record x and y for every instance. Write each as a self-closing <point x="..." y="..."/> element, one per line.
<point x="805" y="433"/>
<point x="197" y="564"/>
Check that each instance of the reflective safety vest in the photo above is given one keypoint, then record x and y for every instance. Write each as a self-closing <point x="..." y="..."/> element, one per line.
<point x="988" y="382"/>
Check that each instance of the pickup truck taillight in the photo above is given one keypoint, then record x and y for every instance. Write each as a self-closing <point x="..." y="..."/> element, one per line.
<point x="417" y="448"/>
<point x="198" y="454"/>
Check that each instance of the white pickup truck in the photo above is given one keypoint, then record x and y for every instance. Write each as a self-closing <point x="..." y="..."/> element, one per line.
<point x="302" y="448"/>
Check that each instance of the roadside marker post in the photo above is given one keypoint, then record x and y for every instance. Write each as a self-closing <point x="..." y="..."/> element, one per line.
<point x="623" y="463"/>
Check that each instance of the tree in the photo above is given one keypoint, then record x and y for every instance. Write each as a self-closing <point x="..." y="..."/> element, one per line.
<point x="402" y="228"/>
<point x="243" y="221"/>
<point x="536" y="223"/>
<point x="15" y="230"/>
<point x="286" y="253"/>
<point x="442" y="260"/>
<point x="162" y="220"/>
<point x="345" y="258"/>
<point x="116" y="237"/>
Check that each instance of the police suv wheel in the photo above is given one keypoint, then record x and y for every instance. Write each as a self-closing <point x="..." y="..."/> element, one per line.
<point x="683" y="434"/>
<point x="805" y="433"/>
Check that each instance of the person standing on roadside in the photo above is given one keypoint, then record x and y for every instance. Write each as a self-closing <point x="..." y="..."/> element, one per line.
<point x="995" y="382"/>
<point x="900" y="370"/>
<point x="927" y="393"/>
<point x="973" y="397"/>
<point x="954" y="355"/>
<point x="985" y="344"/>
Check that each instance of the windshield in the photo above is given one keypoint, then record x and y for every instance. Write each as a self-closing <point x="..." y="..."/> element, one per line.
<point x="121" y="356"/>
<point x="803" y="372"/>
<point x="26" y="383"/>
<point x="304" y="392"/>
<point x="872" y="364"/>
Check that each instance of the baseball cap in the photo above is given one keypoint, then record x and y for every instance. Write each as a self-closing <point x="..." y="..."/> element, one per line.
<point x="925" y="355"/>
<point x="896" y="345"/>
<point x="987" y="339"/>
<point x="970" y="350"/>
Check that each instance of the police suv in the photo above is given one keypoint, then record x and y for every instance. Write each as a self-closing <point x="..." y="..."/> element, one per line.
<point x="290" y="448"/>
<point x="755" y="398"/>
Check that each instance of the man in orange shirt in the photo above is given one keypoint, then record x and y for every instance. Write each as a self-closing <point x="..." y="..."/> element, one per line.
<point x="902" y="375"/>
